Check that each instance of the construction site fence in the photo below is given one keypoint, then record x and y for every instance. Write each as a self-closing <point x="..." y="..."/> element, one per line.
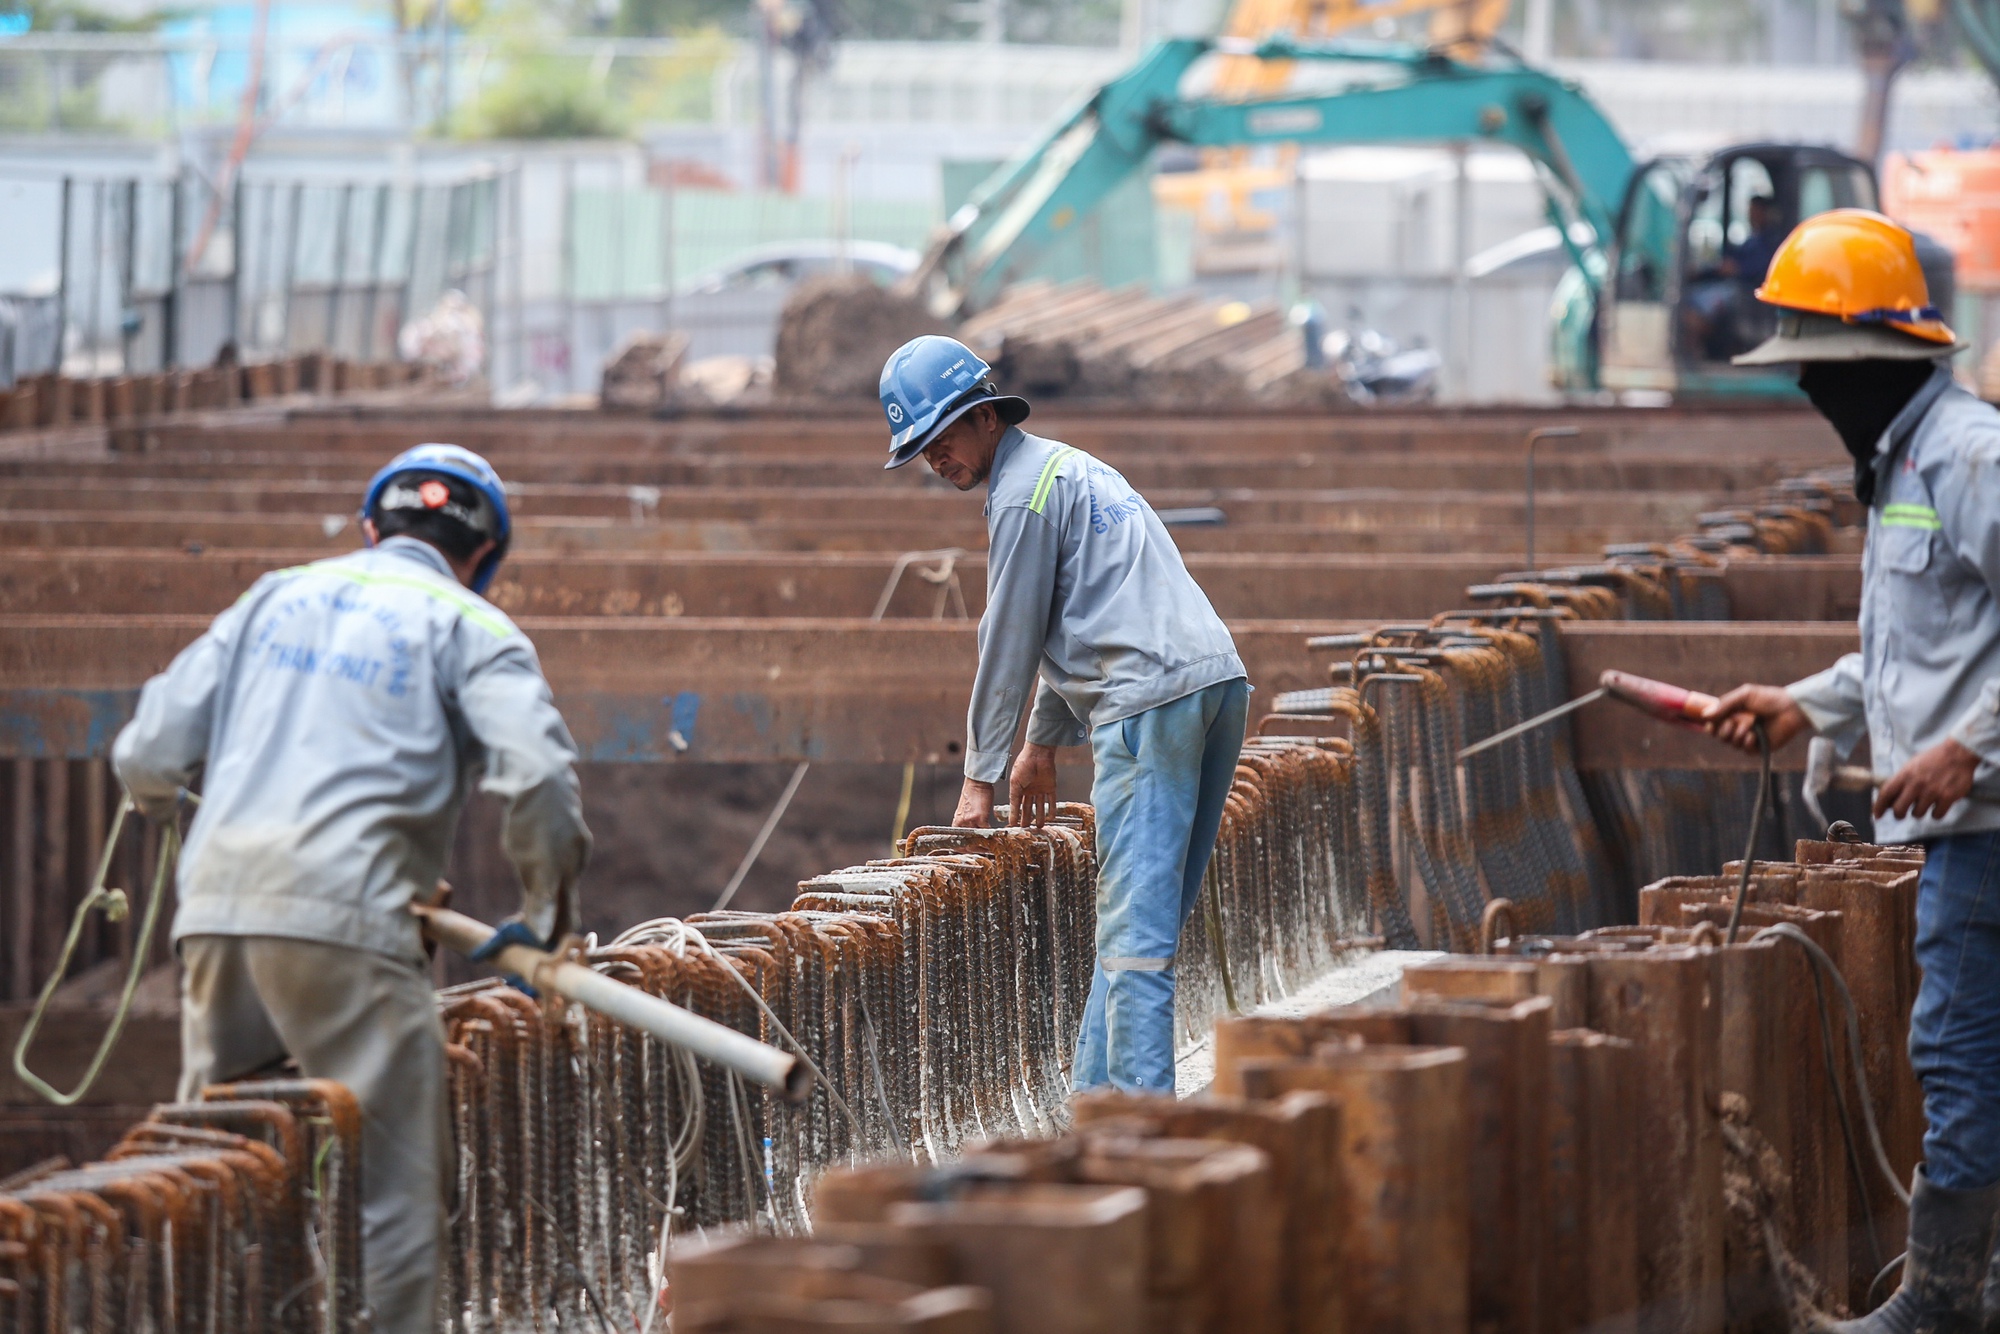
<point x="163" y="272"/>
<point x="563" y="256"/>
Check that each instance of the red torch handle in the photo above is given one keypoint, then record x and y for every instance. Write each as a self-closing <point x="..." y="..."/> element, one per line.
<point x="1671" y="703"/>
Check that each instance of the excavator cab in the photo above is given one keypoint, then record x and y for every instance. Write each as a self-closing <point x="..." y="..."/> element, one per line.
<point x="1694" y="238"/>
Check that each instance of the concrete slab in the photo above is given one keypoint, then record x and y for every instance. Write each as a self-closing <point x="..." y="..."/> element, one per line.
<point x="1375" y="977"/>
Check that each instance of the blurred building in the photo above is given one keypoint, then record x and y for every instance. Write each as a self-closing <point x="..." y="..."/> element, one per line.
<point x="356" y="208"/>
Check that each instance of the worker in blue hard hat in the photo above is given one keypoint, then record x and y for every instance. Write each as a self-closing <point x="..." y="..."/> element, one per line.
<point x="1090" y="612"/>
<point x="335" y="718"/>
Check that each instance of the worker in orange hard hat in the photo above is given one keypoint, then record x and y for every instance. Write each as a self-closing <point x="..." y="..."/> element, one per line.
<point x="1874" y="356"/>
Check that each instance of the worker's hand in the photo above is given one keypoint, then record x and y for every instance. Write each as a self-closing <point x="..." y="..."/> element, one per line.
<point x="513" y="931"/>
<point x="159" y="810"/>
<point x="1932" y="783"/>
<point x="163" y="808"/>
<point x="1031" y="787"/>
<point x="1733" y="719"/>
<point x="975" y="806"/>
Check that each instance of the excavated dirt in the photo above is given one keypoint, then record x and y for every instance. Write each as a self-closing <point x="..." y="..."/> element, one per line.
<point x="669" y="836"/>
<point x="640" y="375"/>
<point x="835" y="333"/>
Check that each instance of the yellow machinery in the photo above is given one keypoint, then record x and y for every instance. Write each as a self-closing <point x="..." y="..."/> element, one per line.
<point x="1225" y="193"/>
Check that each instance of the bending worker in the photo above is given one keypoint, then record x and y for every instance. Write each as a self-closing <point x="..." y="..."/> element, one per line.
<point x="337" y="715"/>
<point x="1085" y="589"/>
<point x="1924" y="690"/>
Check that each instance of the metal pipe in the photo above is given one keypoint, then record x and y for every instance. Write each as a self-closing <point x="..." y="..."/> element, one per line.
<point x="99" y="194"/>
<point x="407" y="312"/>
<point x="127" y="264"/>
<point x="236" y="239"/>
<point x="339" y="282"/>
<point x="375" y="238"/>
<point x="170" y="306"/>
<point x="265" y="331"/>
<point x="62" y="273"/>
<point x="781" y="1071"/>
<point x="1535" y="437"/>
<point x="293" y="215"/>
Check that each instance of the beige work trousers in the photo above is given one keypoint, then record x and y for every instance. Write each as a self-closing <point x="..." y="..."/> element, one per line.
<point x="364" y="1020"/>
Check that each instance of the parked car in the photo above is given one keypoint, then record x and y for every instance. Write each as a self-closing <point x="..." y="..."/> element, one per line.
<point x="733" y="310"/>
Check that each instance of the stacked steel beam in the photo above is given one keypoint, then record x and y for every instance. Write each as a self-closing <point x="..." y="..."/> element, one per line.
<point x="55" y="401"/>
<point x="1440" y="837"/>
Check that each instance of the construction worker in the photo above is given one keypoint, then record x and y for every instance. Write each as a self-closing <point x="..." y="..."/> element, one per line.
<point x="337" y="715"/>
<point x="1856" y="316"/>
<point x="1719" y="299"/>
<point x="1085" y="589"/>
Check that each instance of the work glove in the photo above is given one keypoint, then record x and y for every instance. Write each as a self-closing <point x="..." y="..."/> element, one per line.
<point x="513" y="931"/>
<point x="163" y="807"/>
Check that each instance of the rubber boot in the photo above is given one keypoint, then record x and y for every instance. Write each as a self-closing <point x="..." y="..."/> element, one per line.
<point x="1951" y="1245"/>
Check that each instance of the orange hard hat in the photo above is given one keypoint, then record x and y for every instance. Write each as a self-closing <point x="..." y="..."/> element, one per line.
<point x="1860" y="267"/>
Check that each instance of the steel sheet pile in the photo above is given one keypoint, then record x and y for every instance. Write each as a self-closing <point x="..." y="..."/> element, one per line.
<point x="1438" y="838"/>
<point x="1639" y="1128"/>
<point x="237" y="1213"/>
<point x="938" y="994"/>
<point x="54" y="400"/>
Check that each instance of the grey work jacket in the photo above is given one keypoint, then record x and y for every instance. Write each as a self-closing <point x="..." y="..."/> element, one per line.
<point x="1084" y="586"/>
<point x="1929" y="666"/>
<point x="340" y="711"/>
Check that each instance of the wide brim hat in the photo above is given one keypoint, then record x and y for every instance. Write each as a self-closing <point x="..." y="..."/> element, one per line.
<point x="1849" y="286"/>
<point x="1013" y="410"/>
<point x="1807" y="337"/>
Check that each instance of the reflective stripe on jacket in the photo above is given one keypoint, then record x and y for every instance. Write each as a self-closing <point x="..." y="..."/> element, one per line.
<point x="338" y="714"/>
<point x="1929" y="666"/>
<point x="1084" y="586"/>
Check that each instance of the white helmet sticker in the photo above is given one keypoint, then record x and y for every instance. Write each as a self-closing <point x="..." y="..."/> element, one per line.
<point x="895" y="412"/>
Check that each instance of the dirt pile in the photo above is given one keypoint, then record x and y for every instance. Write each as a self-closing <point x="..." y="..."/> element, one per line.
<point x="641" y="374"/>
<point x="1068" y="340"/>
<point x="835" y="333"/>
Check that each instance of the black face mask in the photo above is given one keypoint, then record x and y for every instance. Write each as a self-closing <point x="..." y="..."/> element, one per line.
<point x="1861" y="398"/>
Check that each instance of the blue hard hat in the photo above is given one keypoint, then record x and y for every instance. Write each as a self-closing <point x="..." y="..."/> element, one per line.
<point x="457" y="462"/>
<point x="930" y="382"/>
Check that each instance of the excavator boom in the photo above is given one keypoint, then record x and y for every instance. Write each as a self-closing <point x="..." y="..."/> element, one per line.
<point x="1433" y="99"/>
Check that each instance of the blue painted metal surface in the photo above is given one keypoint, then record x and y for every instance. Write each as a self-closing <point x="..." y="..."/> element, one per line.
<point x="56" y="723"/>
<point x="610" y="727"/>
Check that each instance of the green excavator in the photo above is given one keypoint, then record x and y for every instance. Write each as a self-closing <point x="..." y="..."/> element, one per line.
<point x="1654" y="301"/>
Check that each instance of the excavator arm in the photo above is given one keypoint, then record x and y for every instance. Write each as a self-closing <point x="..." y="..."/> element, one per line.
<point x="1429" y="99"/>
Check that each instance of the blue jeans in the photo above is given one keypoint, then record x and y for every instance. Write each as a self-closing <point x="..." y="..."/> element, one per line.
<point x="1162" y="778"/>
<point x="1955" y="1026"/>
